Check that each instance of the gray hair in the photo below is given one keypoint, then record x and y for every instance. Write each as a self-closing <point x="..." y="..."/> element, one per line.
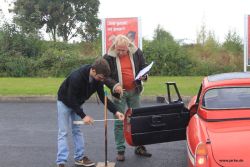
<point x="121" y="40"/>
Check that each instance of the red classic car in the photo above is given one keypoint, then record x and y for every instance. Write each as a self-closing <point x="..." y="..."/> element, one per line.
<point x="215" y="123"/>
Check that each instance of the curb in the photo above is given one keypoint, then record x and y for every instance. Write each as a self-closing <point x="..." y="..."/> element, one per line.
<point x="27" y="99"/>
<point x="92" y="99"/>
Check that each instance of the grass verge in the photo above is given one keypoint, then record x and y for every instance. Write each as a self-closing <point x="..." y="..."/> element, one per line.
<point x="155" y="86"/>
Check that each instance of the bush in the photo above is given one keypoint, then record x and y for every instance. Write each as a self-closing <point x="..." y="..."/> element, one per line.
<point x="59" y="63"/>
<point x="24" y="56"/>
<point x="15" y="43"/>
<point x="16" y="66"/>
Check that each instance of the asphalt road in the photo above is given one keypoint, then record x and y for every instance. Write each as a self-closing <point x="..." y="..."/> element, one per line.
<point x="28" y="138"/>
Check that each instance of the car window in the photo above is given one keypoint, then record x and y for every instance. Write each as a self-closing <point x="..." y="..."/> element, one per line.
<point x="227" y="98"/>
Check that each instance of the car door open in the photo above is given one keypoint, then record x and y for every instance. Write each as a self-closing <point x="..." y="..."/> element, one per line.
<point x="156" y="124"/>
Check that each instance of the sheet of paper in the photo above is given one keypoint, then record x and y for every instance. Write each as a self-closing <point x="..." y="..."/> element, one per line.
<point x="144" y="71"/>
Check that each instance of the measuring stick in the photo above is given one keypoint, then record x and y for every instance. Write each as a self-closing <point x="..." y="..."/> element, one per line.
<point x="97" y="120"/>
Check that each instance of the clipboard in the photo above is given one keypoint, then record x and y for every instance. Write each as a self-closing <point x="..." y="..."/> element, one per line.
<point x="144" y="71"/>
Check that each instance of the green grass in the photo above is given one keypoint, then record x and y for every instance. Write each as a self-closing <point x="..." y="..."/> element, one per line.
<point x="29" y="86"/>
<point x="188" y="86"/>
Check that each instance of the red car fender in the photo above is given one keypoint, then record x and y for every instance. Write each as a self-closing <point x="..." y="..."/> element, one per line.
<point x="127" y="127"/>
<point x="195" y="134"/>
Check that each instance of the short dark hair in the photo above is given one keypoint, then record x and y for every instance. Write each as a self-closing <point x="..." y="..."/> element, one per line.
<point x="101" y="66"/>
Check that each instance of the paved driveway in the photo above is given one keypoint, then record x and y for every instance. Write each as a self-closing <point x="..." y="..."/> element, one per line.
<point x="28" y="133"/>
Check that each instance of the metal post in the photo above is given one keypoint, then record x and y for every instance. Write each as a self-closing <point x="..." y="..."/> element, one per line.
<point x="246" y="43"/>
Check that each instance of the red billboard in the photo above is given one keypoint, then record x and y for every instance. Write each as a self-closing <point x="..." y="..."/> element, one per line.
<point x="111" y="27"/>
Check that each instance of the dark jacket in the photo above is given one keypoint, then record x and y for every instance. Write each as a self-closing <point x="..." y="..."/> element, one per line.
<point x="77" y="88"/>
<point x="138" y="63"/>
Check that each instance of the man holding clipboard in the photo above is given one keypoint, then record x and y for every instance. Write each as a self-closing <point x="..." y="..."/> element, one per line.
<point x="126" y="61"/>
<point x="144" y="72"/>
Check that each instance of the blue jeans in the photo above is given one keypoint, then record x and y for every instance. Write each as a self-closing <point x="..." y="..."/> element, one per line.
<point x="66" y="117"/>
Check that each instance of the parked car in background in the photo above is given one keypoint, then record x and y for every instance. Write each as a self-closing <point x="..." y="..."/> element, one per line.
<point x="215" y="123"/>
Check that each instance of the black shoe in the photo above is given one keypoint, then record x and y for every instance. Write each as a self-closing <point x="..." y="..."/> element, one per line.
<point x="142" y="151"/>
<point x="120" y="156"/>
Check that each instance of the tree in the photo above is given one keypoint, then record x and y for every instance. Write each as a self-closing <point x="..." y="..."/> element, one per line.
<point x="202" y="35"/>
<point x="169" y="57"/>
<point x="233" y="42"/>
<point x="206" y="38"/>
<point x="63" y="18"/>
<point x="211" y="43"/>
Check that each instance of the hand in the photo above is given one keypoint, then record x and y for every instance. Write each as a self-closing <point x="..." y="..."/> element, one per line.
<point x="119" y="115"/>
<point x="144" y="77"/>
<point x="88" y="120"/>
<point x="118" y="89"/>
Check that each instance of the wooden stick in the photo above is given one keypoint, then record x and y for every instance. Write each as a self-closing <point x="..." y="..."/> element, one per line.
<point x="106" y="131"/>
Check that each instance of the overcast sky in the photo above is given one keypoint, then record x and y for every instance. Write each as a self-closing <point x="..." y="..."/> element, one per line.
<point x="182" y="18"/>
